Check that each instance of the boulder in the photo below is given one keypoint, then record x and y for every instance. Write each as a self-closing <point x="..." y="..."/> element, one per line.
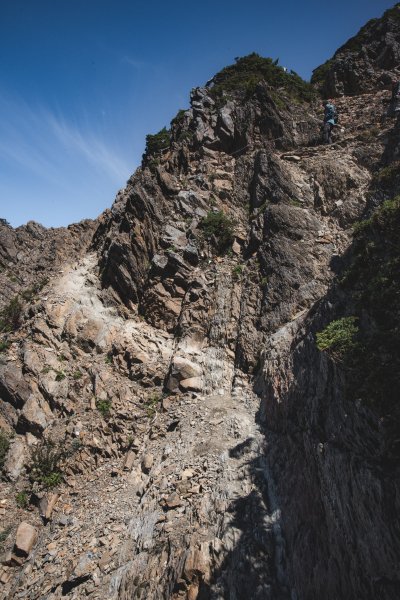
<point x="25" y="539"/>
<point x="13" y="387"/>
<point x="159" y="262"/>
<point x="168" y="183"/>
<point x="193" y="384"/>
<point x="147" y="462"/>
<point x="35" y="416"/>
<point x="182" y="369"/>
<point x="173" y="501"/>
<point x="129" y="460"/>
<point x="174" y="237"/>
<point x="15" y="458"/>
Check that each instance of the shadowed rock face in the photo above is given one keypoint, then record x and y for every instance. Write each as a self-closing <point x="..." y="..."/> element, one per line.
<point x="366" y="61"/>
<point x="201" y="446"/>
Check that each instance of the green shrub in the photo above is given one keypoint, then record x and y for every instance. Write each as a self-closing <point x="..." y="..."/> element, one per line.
<point x="180" y="115"/>
<point x="338" y="338"/>
<point x="295" y="202"/>
<point x="385" y="216"/>
<point x="387" y="175"/>
<point x="45" y="466"/>
<point x="151" y="404"/>
<point x="186" y="136"/>
<point x="237" y="271"/>
<point x="359" y="226"/>
<point x="4" y="345"/>
<point x="104" y="407"/>
<point x="218" y="229"/>
<point x="77" y="375"/>
<point x="319" y="74"/>
<point x="22" y="499"/>
<point x="4" y="446"/>
<point x="52" y="480"/>
<point x="157" y="142"/>
<point x="60" y="375"/>
<point x="248" y="71"/>
<point x="11" y="315"/>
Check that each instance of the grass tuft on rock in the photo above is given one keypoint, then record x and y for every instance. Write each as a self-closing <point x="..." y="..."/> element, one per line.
<point x="45" y="466"/>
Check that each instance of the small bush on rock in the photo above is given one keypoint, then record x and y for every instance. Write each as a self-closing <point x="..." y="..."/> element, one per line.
<point x="218" y="228"/>
<point x="151" y="404"/>
<point x="4" y="345"/>
<point x="248" y="71"/>
<point x="104" y="407"/>
<point x="11" y="315"/>
<point x="157" y="142"/>
<point x="237" y="271"/>
<point x="45" y="467"/>
<point x="60" y="375"/>
<point x="22" y="499"/>
<point x="338" y="338"/>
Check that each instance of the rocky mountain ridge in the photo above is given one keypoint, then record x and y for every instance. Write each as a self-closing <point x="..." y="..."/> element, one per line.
<point x="178" y="433"/>
<point x="366" y="62"/>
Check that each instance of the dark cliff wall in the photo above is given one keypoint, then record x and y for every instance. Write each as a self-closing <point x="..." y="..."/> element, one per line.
<point x="332" y="416"/>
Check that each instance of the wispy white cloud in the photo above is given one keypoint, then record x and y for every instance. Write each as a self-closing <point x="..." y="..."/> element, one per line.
<point x="89" y="146"/>
<point x="44" y="143"/>
<point x="135" y="63"/>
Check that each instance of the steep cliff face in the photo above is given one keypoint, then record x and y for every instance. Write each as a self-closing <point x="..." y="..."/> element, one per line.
<point x="175" y="421"/>
<point x="334" y="418"/>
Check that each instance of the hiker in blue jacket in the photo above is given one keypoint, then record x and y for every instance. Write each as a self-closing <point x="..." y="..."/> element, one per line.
<point x="329" y="121"/>
<point x="394" y="106"/>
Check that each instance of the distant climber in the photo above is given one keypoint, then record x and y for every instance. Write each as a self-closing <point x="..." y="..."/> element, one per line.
<point x="394" y="106"/>
<point x="330" y="120"/>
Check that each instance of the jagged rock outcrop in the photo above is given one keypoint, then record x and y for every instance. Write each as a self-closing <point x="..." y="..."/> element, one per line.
<point x="366" y="61"/>
<point x="176" y="426"/>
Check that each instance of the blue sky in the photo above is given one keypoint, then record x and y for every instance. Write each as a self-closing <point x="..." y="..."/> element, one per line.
<point x="83" y="81"/>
